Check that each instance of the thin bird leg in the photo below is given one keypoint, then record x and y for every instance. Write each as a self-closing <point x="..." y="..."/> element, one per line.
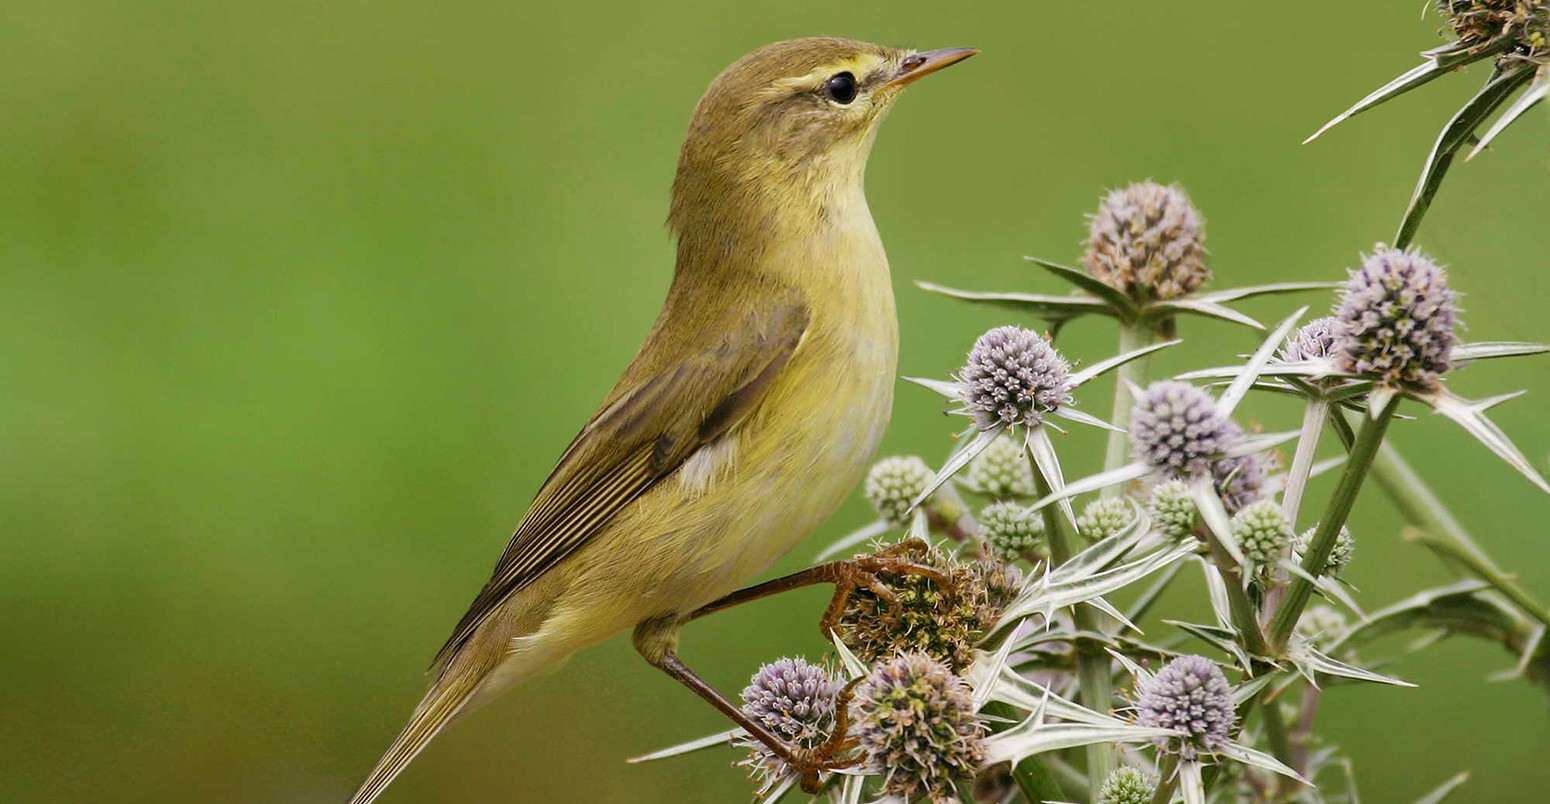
<point x="847" y="576"/>
<point x="808" y="765"/>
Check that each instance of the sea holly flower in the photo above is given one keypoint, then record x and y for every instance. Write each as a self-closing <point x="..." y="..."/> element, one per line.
<point x="893" y="483"/>
<point x="1394" y="335"/>
<point x="1001" y="472"/>
<point x="1144" y="265"/>
<point x="1263" y="533"/>
<point x="917" y="727"/>
<point x="1105" y="517"/>
<point x="1515" y="35"/>
<point x="1127" y="786"/>
<point x="1012" y="532"/>
<point x="1190" y="697"/>
<point x="796" y="700"/>
<point x="1015" y="381"/>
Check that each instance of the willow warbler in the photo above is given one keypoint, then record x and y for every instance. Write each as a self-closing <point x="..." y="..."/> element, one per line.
<point x="748" y="414"/>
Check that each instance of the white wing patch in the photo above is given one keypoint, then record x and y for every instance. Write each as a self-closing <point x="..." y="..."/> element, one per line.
<point x="709" y="463"/>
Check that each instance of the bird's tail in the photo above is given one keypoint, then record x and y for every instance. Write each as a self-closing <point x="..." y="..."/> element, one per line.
<point x="447" y="697"/>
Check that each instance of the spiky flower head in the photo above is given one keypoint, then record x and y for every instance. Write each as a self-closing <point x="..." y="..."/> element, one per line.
<point x="1002" y="471"/>
<point x="1175" y="428"/>
<point x="1239" y="481"/>
<point x="943" y="620"/>
<point x="795" y="700"/>
<point x="893" y="483"/>
<point x="1127" y="785"/>
<point x="1320" y="625"/>
<point x="1147" y="240"/>
<point x="1396" y="319"/>
<point x="1012" y="531"/>
<point x="1190" y="695"/>
<point x="1524" y="23"/>
<point x="1339" y="556"/>
<point x="1314" y="341"/>
<point x="1172" y="509"/>
<point x="1105" y="517"/>
<point x="916" y="725"/>
<point x="1013" y="376"/>
<point x="1263" y="532"/>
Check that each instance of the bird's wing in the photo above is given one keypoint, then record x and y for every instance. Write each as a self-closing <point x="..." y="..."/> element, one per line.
<point x="641" y="436"/>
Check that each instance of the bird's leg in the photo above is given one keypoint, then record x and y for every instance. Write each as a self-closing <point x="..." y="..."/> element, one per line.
<point x="847" y="576"/>
<point x="656" y="641"/>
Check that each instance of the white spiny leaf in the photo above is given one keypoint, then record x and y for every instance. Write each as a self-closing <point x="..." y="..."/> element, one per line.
<point x="1102" y="480"/>
<point x="1191" y="785"/>
<point x="1259" y="442"/>
<point x="943" y="387"/>
<point x="1485" y="350"/>
<point x="1251" y="370"/>
<point x="1444" y="790"/>
<point x="1215" y="517"/>
<point x="853" y="666"/>
<point x="959" y="459"/>
<point x="710" y="741"/>
<point x="1258" y="759"/>
<point x="862" y="535"/>
<point x="1116" y="361"/>
<point x="1047" y="463"/>
<point x="1471" y="416"/>
<point x="1078" y="416"/>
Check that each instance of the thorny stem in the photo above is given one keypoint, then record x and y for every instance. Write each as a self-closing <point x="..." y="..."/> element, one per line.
<point x="1448" y="539"/>
<point x="1357" y="466"/>
<point x="1244" y="616"/>
<point x="1092" y="667"/>
<point x="1133" y="335"/>
<point x="1167" y="781"/>
<point x="1313" y="417"/>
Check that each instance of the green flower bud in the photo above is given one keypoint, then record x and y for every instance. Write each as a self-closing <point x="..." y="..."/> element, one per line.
<point x="1105" y="517"/>
<point x="1172" y="509"/>
<point x="1002" y="471"/>
<point x="1012" y="531"/>
<point x="1263" y="532"/>
<point x="894" y="483"/>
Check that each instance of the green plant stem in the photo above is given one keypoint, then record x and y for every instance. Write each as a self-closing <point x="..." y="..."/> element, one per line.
<point x="1448" y="539"/>
<point x="1092" y="668"/>
<point x="1275" y="733"/>
<point x="1358" y="464"/>
<point x="1133" y="335"/>
<point x="1167" y="781"/>
<point x="1244" y="616"/>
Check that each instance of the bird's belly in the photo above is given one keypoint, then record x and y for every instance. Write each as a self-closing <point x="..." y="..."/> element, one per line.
<point x="786" y="471"/>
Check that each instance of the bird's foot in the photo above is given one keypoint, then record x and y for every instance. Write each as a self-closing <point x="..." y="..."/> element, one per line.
<point x="863" y="572"/>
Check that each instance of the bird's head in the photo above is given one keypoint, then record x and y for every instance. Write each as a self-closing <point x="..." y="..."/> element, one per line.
<point x="793" y="119"/>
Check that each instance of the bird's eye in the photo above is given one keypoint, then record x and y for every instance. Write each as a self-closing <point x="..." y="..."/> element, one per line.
<point x="841" y="87"/>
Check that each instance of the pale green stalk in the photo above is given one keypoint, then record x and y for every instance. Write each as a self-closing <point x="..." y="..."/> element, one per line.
<point x="1357" y="467"/>
<point x="1133" y="335"/>
<point x="1313" y="417"/>
<point x="1167" y="781"/>
<point x="1092" y="667"/>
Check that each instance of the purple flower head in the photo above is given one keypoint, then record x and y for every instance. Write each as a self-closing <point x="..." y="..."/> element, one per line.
<point x="1175" y="428"/>
<point x="916" y="725"/>
<point x="1013" y="377"/>
<point x="1239" y="481"/>
<point x="1396" y="318"/>
<point x="1190" y="695"/>
<point x="1149" y="241"/>
<point x="1315" y="341"/>
<point x="795" y="700"/>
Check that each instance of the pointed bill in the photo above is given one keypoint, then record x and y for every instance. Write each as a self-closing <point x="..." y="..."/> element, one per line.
<point x="1251" y="370"/>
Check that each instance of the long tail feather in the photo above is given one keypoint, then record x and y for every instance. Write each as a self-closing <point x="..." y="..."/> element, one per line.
<point x="445" y="699"/>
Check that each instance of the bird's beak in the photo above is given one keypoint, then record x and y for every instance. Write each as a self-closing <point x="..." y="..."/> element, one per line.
<point x="919" y="65"/>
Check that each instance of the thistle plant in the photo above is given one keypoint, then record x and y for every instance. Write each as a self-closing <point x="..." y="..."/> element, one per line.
<point x="1004" y="657"/>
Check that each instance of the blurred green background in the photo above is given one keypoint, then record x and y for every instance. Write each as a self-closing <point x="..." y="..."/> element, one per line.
<point x="299" y="301"/>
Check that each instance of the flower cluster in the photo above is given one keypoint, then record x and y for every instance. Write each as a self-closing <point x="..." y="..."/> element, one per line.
<point x="916" y="724"/>
<point x="1263" y="532"/>
<point x="941" y="619"/>
<point x="1149" y="241"/>
<point x="894" y="483"/>
<point x="1001" y="472"/>
<point x="1523" y="25"/>
<point x="1105" y="517"/>
<point x="1012" y="531"/>
<point x="1175" y="428"/>
<point x="1396" y="319"/>
<point x="794" y="699"/>
<point x="1013" y="376"/>
<point x="1127" y="786"/>
<point x="1189" y="695"/>
<point x="1172" y="509"/>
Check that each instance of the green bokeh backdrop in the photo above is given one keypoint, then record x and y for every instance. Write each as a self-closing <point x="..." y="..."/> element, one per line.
<point x="300" y="301"/>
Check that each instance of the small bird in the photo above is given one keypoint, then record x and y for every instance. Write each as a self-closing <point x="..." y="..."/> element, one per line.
<point x="747" y="416"/>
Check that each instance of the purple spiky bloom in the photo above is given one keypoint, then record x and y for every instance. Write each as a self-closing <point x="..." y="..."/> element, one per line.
<point x="1190" y="695"/>
<point x="1396" y="318"/>
<point x="795" y="700"/>
<point x="1013" y="377"/>
<point x="1175" y="428"/>
<point x="917" y="727"/>
<point x="1147" y="240"/>
<point x="1315" y="341"/>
